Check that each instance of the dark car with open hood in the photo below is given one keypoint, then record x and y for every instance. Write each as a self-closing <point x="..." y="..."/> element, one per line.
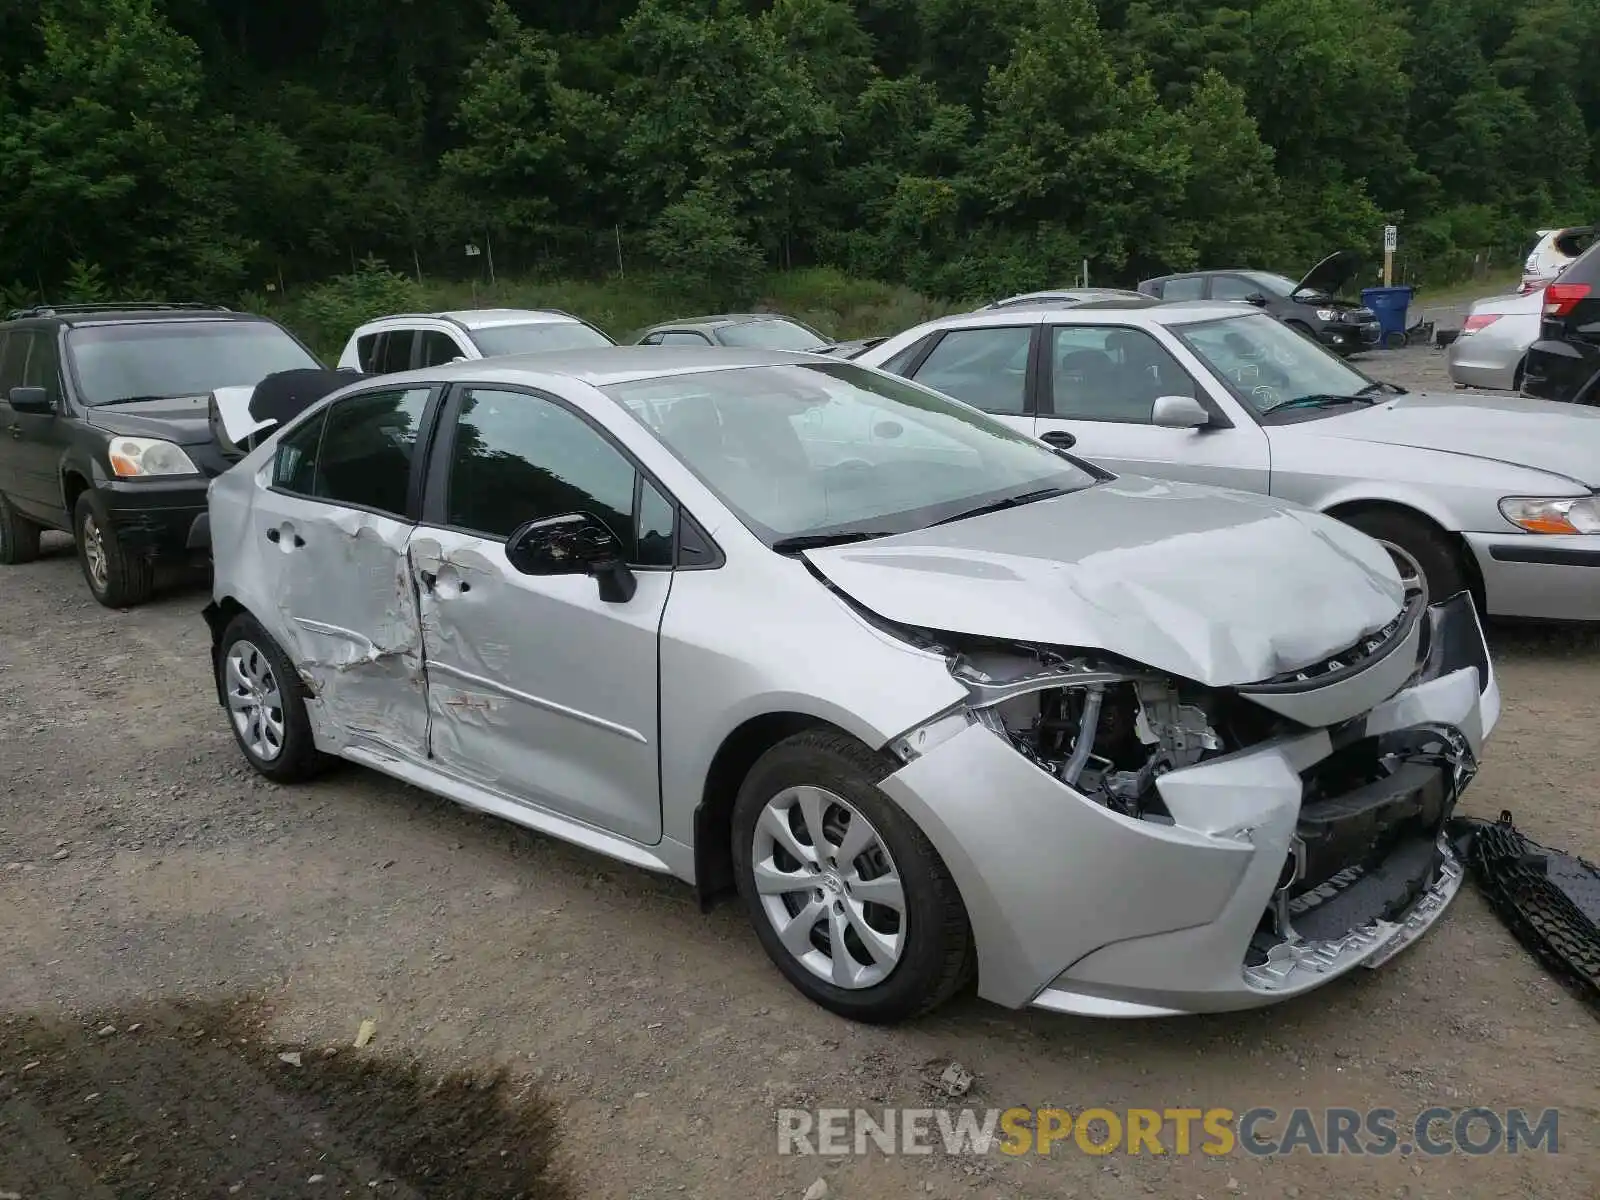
<point x="105" y="409"/>
<point x="1311" y="306"/>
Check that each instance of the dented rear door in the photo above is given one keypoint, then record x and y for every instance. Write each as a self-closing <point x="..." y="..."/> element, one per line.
<point x="333" y="526"/>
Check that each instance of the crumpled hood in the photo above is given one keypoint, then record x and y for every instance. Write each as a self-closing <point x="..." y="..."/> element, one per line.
<point x="1220" y="587"/>
<point x="1542" y="434"/>
<point x="180" y="419"/>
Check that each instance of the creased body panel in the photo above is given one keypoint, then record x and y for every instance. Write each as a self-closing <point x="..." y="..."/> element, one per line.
<point x="1223" y="588"/>
<point x="540" y="690"/>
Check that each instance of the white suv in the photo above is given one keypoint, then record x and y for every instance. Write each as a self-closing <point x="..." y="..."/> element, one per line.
<point x="417" y="340"/>
<point x="1550" y="256"/>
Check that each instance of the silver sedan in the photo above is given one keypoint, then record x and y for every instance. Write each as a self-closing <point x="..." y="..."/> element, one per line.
<point x="1492" y="493"/>
<point x="939" y="702"/>
<point x="1493" y="343"/>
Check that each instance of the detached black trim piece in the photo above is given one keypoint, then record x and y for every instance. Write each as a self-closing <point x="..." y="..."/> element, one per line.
<point x="1553" y="556"/>
<point x="1393" y="637"/>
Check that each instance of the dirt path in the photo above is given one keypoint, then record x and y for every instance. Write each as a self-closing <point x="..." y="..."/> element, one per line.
<point x="140" y="865"/>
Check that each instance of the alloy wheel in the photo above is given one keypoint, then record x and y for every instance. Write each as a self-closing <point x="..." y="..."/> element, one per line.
<point x="255" y="702"/>
<point x="94" y="554"/>
<point x="829" y="887"/>
<point x="1412" y="577"/>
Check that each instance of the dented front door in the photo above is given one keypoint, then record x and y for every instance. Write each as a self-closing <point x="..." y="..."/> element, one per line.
<point x="537" y="688"/>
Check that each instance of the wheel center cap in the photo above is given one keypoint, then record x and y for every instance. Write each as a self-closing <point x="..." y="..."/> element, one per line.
<point x="833" y="883"/>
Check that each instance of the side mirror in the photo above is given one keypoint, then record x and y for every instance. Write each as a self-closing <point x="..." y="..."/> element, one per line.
<point x="1179" y="412"/>
<point x="574" y="544"/>
<point x="31" y="400"/>
<point x="1257" y="299"/>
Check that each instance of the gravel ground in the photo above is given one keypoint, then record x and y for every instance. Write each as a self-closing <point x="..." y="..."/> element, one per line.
<point x="144" y="868"/>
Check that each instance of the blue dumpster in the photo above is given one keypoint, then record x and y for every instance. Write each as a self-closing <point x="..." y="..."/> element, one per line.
<point x="1389" y="305"/>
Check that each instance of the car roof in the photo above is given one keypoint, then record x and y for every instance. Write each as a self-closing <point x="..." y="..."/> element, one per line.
<point x="717" y="320"/>
<point x="602" y="366"/>
<point x="484" y="318"/>
<point x="1103" y="312"/>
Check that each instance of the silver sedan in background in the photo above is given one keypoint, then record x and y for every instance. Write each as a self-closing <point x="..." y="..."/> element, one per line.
<point x="1493" y="343"/>
<point x="937" y="700"/>
<point x="1492" y="493"/>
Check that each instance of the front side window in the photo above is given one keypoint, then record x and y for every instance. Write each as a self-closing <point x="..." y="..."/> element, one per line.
<point x="437" y="349"/>
<point x="537" y="337"/>
<point x="1268" y="365"/>
<point x="519" y="458"/>
<point x="1109" y="373"/>
<point x="141" y="360"/>
<point x="833" y="448"/>
<point x="987" y="368"/>
<point x="363" y="458"/>
<point x="1234" y="287"/>
<point x="1191" y="288"/>
<point x="770" y="335"/>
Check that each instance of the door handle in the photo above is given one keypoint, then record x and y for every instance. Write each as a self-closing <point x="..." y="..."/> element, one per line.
<point x="430" y="583"/>
<point x="1060" y="439"/>
<point x="428" y="579"/>
<point x="275" y="536"/>
<point x="16" y="432"/>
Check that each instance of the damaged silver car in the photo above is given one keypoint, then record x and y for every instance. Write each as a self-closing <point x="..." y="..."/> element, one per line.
<point x="938" y="701"/>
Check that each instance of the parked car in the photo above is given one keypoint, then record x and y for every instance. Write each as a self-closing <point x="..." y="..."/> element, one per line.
<point x="1551" y="254"/>
<point x="412" y="340"/>
<point x="106" y="407"/>
<point x="1064" y="297"/>
<point x="912" y="682"/>
<point x="1564" y="364"/>
<point x="762" y="331"/>
<point x="1492" y="493"/>
<point x="853" y="348"/>
<point x="1492" y="345"/>
<point x="1310" y="307"/>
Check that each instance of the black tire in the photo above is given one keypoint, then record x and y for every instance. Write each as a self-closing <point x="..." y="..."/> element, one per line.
<point x="938" y="958"/>
<point x="19" y="537"/>
<point x="129" y="579"/>
<point x="297" y="758"/>
<point x="1396" y="339"/>
<point x="1430" y="548"/>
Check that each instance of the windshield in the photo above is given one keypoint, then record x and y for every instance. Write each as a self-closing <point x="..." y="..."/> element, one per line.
<point x="1273" y="285"/>
<point x="1268" y="364"/>
<point x="832" y="448"/>
<point x="178" y="358"/>
<point x="536" y="337"/>
<point x="770" y="335"/>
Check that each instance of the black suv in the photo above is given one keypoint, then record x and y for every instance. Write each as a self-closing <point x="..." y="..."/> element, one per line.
<point x="1564" y="364"/>
<point x="104" y="429"/>
<point x="1310" y="307"/>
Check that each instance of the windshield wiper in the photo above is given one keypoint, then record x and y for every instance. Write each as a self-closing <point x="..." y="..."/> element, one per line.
<point x="817" y="541"/>
<point x="1322" y="401"/>
<point x="1048" y="493"/>
<point x="129" y="400"/>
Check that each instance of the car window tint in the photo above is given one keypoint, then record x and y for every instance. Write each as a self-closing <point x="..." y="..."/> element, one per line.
<point x="13" y="357"/>
<point x="365" y="457"/>
<point x="1234" y="287"/>
<point x="684" y="338"/>
<point x="521" y="458"/>
<point x="1109" y="373"/>
<point x="294" y="468"/>
<point x="43" y="368"/>
<point x="367" y="352"/>
<point x="394" y="352"/>
<point x="987" y="368"/>
<point x="1193" y="288"/>
<point x="437" y="348"/>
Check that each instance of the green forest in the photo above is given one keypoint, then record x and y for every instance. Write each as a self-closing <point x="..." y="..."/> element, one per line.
<point x="226" y="148"/>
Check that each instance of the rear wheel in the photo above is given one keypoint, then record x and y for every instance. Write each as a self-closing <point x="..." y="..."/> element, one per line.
<point x="266" y="709"/>
<point x="1424" y="554"/>
<point x="117" y="578"/>
<point x="19" y="537"/>
<point x="847" y="895"/>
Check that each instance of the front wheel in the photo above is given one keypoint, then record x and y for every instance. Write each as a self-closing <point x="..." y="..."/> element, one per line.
<point x="847" y="895"/>
<point x="265" y="706"/>
<point x="1423" y="554"/>
<point x="117" y="578"/>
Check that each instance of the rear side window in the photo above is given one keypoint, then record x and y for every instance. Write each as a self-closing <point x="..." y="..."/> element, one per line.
<point x="394" y="352"/>
<point x="13" y="356"/>
<point x="364" y="460"/>
<point x="294" y="469"/>
<point x="1584" y="269"/>
<point x="367" y="352"/>
<point x="43" y="369"/>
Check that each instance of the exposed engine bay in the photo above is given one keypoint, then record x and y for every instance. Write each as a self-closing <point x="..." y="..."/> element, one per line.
<point x="1107" y="730"/>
